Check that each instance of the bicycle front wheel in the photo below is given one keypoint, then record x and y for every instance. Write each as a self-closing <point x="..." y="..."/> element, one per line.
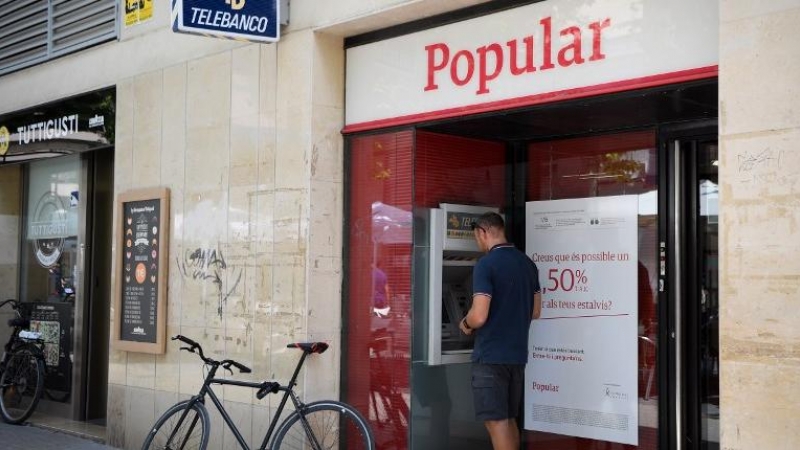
<point x="324" y="425"/>
<point x="21" y="385"/>
<point x="173" y="431"/>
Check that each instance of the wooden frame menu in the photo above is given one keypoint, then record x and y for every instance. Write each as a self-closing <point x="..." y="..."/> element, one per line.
<point x="140" y="265"/>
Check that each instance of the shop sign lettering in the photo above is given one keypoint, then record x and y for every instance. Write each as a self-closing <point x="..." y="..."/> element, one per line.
<point x="48" y="129"/>
<point x="516" y="57"/>
<point x="253" y="20"/>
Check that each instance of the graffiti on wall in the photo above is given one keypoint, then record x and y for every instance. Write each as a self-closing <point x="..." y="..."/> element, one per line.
<point x="209" y="265"/>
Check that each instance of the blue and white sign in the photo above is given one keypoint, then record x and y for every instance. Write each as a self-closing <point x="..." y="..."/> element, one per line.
<point x="247" y="20"/>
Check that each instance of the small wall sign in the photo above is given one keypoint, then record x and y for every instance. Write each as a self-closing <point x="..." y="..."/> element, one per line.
<point x="247" y="20"/>
<point x="140" y="293"/>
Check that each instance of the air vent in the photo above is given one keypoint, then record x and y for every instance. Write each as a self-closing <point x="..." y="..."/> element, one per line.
<point x="34" y="31"/>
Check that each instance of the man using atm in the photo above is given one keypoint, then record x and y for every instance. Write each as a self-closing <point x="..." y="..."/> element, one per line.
<point x="506" y="297"/>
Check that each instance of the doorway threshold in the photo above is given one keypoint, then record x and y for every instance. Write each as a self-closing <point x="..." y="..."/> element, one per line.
<point x="86" y="430"/>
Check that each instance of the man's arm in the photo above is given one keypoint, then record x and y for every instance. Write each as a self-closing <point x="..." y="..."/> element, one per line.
<point x="477" y="314"/>
<point x="537" y="305"/>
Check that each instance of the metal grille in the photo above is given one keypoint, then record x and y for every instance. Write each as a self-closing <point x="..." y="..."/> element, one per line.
<point x="34" y="31"/>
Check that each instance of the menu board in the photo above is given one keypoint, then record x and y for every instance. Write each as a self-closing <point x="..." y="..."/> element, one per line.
<point x="141" y="256"/>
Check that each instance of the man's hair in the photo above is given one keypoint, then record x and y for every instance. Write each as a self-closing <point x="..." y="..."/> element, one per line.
<point x="490" y="220"/>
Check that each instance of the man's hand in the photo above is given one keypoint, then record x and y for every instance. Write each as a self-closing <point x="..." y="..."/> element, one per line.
<point x="463" y="326"/>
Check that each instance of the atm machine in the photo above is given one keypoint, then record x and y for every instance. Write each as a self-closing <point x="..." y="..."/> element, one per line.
<point x="453" y="254"/>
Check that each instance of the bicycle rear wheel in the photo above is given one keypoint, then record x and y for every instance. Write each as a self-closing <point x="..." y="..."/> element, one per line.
<point x="21" y="385"/>
<point x="172" y="433"/>
<point x="327" y="425"/>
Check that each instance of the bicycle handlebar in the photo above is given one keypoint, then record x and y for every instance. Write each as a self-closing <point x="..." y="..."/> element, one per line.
<point x="242" y="368"/>
<point x="194" y="347"/>
<point x="14" y="303"/>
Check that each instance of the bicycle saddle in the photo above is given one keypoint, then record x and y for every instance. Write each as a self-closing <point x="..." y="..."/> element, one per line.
<point x="310" y="347"/>
<point x="19" y="322"/>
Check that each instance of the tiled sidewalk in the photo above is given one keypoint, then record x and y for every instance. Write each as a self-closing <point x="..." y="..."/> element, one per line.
<point x="26" y="437"/>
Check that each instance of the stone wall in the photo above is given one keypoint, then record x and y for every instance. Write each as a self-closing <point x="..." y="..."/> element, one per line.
<point x="248" y="142"/>
<point x="760" y="217"/>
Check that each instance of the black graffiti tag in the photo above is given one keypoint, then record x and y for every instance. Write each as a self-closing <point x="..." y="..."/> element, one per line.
<point x="208" y="264"/>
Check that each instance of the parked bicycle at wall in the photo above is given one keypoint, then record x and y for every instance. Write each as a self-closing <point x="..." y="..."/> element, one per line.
<point x="326" y="424"/>
<point x="22" y="369"/>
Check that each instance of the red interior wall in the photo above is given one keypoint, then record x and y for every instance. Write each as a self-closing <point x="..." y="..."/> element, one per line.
<point x="452" y="169"/>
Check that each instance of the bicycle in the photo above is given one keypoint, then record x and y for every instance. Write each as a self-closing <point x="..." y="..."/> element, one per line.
<point x="22" y="368"/>
<point x="325" y="424"/>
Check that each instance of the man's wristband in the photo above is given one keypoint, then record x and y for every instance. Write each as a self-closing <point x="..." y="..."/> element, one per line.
<point x="466" y="325"/>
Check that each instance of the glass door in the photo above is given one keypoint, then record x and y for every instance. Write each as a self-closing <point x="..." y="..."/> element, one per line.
<point x="694" y="291"/>
<point x="51" y="275"/>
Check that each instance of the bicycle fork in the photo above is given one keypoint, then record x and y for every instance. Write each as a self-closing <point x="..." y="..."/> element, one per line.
<point x="315" y="445"/>
<point x="189" y="406"/>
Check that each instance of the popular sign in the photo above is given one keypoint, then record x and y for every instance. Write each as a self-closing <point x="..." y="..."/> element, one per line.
<point x="248" y="20"/>
<point x="541" y="52"/>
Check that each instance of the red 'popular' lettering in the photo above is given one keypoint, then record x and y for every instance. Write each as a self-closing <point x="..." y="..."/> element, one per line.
<point x="433" y="66"/>
<point x="597" y="27"/>
<point x="484" y="76"/>
<point x="574" y="47"/>
<point x="466" y="55"/>
<point x="520" y="59"/>
<point x="530" y="64"/>
<point x="547" y="30"/>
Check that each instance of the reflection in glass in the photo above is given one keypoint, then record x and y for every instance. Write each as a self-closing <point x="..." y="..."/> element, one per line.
<point x="378" y="273"/>
<point x="50" y="272"/>
<point x="708" y="237"/>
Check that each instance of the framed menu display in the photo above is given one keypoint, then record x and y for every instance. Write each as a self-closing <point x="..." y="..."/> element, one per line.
<point x="140" y="264"/>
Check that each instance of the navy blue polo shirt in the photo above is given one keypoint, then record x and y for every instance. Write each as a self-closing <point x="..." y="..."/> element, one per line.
<point x="510" y="278"/>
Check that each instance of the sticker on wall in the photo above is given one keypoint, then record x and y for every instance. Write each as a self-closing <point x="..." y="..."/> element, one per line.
<point x="48" y="229"/>
<point x="138" y="11"/>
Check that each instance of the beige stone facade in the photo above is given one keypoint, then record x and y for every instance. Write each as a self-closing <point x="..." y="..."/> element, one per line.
<point x="760" y="218"/>
<point x="247" y="138"/>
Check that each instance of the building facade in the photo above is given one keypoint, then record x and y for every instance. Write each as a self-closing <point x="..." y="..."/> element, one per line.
<point x="303" y="176"/>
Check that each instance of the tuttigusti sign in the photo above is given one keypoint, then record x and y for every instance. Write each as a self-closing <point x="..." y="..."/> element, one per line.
<point x="245" y="20"/>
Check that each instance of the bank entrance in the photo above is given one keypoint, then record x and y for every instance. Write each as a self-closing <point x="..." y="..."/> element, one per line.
<point x="652" y="148"/>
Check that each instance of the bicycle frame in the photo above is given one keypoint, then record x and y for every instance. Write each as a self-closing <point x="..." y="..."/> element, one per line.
<point x="288" y="392"/>
<point x="14" y="341"/>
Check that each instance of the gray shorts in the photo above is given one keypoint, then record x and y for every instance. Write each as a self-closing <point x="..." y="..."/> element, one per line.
<point x="497" y="390"/>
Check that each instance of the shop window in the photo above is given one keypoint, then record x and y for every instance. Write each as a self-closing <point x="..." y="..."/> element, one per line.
<point x="599" y="166"/>
<point x="463" y="171"/>
<point x="378" y="277"/>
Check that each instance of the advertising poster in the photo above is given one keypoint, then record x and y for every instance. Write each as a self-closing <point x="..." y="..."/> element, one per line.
<point x="138" y="11"/>
<point x="140" y="262"/>
<point x="581" y="375"/>
<point x="140" y="291"/>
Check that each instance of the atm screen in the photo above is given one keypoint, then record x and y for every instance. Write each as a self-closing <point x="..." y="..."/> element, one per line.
<point x="456" y="301"/>
<point x="445" y="315"/>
